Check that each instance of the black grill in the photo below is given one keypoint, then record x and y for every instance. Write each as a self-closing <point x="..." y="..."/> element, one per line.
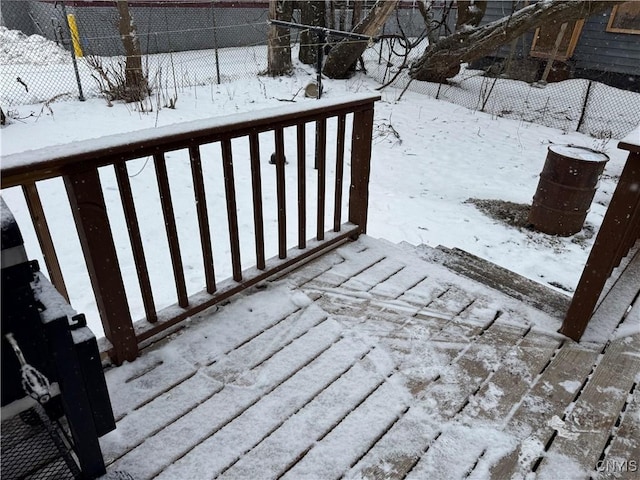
<point x="47" y="432"/>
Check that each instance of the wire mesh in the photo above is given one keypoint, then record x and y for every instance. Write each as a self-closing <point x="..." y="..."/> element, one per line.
<point x="220" y="42"/>
<point x="33" y="446"/>
<point x="180" y="47"/>
<point x="575" y="104"/>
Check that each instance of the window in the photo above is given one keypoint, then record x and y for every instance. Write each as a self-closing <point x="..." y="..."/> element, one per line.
<point x="625" y="18"/>
<point x="545" y="38"/>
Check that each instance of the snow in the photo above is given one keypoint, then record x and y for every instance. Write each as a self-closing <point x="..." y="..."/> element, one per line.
<point x="18" y="49"/>
<point x="428" y="158"/>
<point x="6" y="217"/>
<point x="579" y="153"/>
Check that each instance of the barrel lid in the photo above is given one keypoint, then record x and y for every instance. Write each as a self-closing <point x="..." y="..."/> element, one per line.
<point x="579" y="153"/>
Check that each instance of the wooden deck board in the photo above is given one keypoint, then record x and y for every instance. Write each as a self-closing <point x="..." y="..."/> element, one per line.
<point x="596" y="410"/>
<point x="368" y="363"/>
<point x="621" y="458"/>
<point x="531" y="422"/>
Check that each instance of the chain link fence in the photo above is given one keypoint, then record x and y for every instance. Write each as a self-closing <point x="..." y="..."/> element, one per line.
<point x="577" y="104"/>
<point x="181" y="46"/>
<point x="207" y="42"/>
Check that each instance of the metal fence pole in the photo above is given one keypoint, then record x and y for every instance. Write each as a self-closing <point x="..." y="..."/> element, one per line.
<point x="215" y="42"/>
<point x="73" y="54"/>
<point x="585" y="104"/>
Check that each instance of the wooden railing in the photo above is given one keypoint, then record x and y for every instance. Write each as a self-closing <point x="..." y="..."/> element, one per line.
<point x="77" y="164"/>
<point x="619" y="231"/>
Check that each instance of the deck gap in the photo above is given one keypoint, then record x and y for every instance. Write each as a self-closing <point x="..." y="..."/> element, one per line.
<point x="379" y="437"/>
<point x="252" y="337"/>
<point x="323" y="271"/>
<point x="440" y="295"/>
<point x="546" y="365"/>
<point x="536" y="465"/>
<point x="265" y="394"/>
<point x="165" y="425"/>
<point x="144" y="371"/>
<point x="162" y="392"/>
<point x="419" y="457"/>
<point x="386" y="278"/>
<point x="410" y="287"/>
<point x="628" y="310"/>
<point x="282" y="347"/>
<point x="466" y="307"/>
<point x="358" y="272"/>
<point x="331" y="428"/>
<point x="473" y="467"/>
<point x="274" y="429"/>
<point x="616" y="426"/>
<point x="589" y="376"/>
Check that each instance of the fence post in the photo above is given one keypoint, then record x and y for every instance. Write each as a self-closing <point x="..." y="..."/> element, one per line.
<point x="90" y="215"/>
<point x="215" y="42"/>
<point x="360" y="168"/>
<point x="73" y="54"/>
<point x="585" y="104"/>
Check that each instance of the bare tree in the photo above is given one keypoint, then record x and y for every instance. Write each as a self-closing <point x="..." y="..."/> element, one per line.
<point x="279" y="41"/>
<point x="470" y="13"/>
<point x="346" y="53"/>
<point x="442" y="59"/>
<point x="311" y="13"/>
<point x="135" y="79"/>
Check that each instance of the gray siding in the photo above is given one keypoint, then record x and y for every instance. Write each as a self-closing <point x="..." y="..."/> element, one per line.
<point x="160" y="29"/>
<point x="597" y="49"/>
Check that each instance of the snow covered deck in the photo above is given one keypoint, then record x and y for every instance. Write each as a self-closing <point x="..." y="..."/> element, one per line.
<point x="376" y="361"/>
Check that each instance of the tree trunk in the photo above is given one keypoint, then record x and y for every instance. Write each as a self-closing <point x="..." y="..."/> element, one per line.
<point x="311" y="13"/>
<point x="431" y="25"/>
<point x="135" y="80"/>
<point x="470" y="13"/>
<point x="357" y="13"/>
<point x="346" y="53"/>
<point x="440" y="60"/>
<point x="279" y="42"/>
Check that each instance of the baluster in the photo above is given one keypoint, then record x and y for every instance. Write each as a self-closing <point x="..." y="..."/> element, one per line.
<point x="360" y="168"/>
<point x="203" y="218"/>
<point x="94" y="231"/>
<point x="337" y="212"/>
<point x="281" y="194"/>
<point x="302" y="187"/>
<point x="256" y="184"/>
<point x="126" y="196"/>
<point x="321" y="160"/>
<point x="607" y="250"/>
<point x="171" y="229"/>
<point x="232" y="212"/>
<point x="44" y="238"/>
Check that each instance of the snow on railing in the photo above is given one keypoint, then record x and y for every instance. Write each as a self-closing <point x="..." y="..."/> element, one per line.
<point x="78" y="163"/>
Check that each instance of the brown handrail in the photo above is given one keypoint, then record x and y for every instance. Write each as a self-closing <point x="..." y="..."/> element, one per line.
<point x="56" y="161"/>
<point x="619" y="231"/>
<point x="77" y="164"/>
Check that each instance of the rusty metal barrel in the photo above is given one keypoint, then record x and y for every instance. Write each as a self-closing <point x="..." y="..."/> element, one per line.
<point x="567" y="185"/>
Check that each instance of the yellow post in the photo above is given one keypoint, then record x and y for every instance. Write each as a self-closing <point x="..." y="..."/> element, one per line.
<point x="75" y="36"/>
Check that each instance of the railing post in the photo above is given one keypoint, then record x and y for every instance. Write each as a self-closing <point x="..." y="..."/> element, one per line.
<point x="360" y="167"/>
<point x="614" y="236"/>
<point x="90" y="215"/>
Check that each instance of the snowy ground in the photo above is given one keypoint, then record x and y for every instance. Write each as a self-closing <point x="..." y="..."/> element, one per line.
<point x="429" y="157"/>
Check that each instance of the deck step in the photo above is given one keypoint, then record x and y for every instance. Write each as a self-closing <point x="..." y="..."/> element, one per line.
<point x="471" y="266"/>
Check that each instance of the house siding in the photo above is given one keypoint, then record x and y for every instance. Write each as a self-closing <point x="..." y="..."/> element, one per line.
<point x="596" y="49"/>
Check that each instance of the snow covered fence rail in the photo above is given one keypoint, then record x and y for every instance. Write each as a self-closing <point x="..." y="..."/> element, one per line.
<point x="240" y="137"/>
